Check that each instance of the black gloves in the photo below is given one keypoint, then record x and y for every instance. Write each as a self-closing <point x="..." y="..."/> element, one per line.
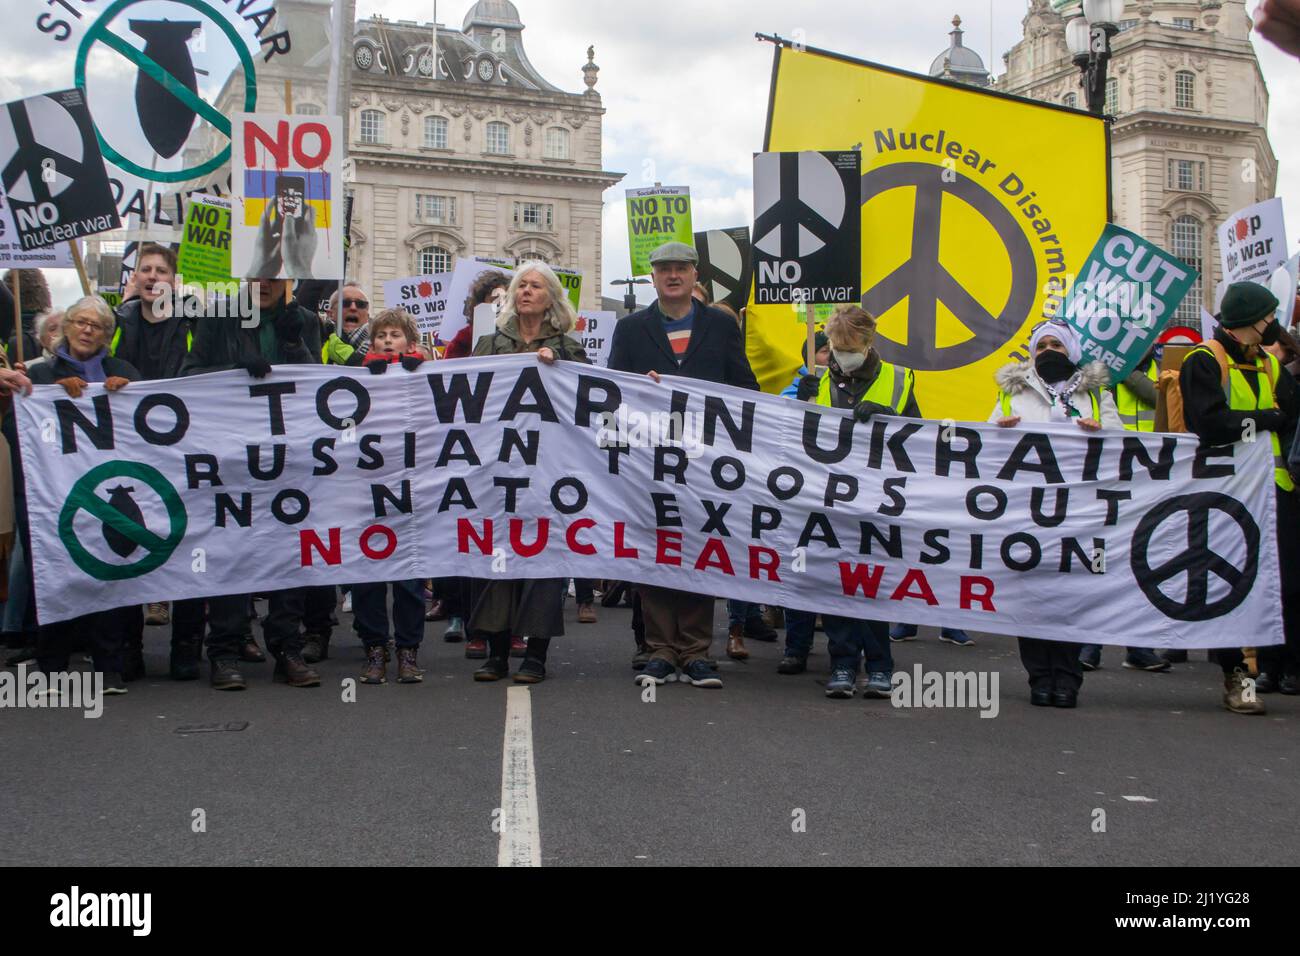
<point x="377" y="366"/>
<point x="288" y="325"/>
<point x="1269" y="419"/>
<point x="864" y="410"/>
<point x="257" y="366"/>
<point x="411" y="362"/>
<point x="808" y="386"/>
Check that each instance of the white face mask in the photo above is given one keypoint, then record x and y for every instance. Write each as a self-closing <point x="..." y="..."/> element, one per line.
<point x="849" y="362"/>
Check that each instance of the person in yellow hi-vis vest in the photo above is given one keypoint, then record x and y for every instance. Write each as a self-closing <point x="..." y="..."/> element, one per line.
<point x="1233" y="390"/>
<point x="1135" y="400"/>
<point x="857" y="378"/>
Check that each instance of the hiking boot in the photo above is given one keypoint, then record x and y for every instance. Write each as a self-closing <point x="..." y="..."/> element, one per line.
<point x="476" y="648"/>
<point x="156" y="615"/>
<point x="842" y="683"/>
<point x="1234" y="688"/>
<point x="184" y="663"/>
<point x="250" y="653"/>
<point x="758" y="630"/>
<point x="586" y="614"/>
<point x="494" y="668"/>
<point x="531" y="671"/>
<point x="791" y="664"/>
<point x="455" y="632"/>
<point x="316" y="648"/>
<point x="291" y="669"/>
<point x="518" y="647"/>
<point x="408" y="672"/>
<point x="375" y="671"/>
<point x="225" y="676"/>
<point x="641" y="657"/>
<point x="133" y="664"/>
<point x="736" y="643"/>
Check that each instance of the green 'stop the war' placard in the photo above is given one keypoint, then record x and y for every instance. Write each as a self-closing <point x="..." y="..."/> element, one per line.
<point x="1127" y="291"/>
<point x="654" y="216"/>
<point x="204" y="255"/>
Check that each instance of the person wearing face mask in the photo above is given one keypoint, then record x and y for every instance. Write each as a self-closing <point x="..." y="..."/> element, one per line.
<point x="1052" y="387"/>
<point x="1233" y="389"/>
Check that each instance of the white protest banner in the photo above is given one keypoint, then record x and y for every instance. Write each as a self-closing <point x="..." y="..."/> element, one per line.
<point x="464" y="274"/>
<point x="503" y="467"/>
<point x="425" y="297"/>
<point x="288" y="215"/>
<point x="1252" y="243"/>
<point x="12" y="255"/>
<point x="595" y="330"/>
<point x="1283" y="285"/>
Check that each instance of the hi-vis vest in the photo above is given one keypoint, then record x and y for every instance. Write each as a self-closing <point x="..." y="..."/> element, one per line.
<point x="1136" y="414"/>
<point x="892" y="387"/>
<point x="1242" y="399"/>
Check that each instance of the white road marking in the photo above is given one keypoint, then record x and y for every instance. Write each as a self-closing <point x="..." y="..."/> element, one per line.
<point x="1139" y="799"/>
<point x="520" y="843"/>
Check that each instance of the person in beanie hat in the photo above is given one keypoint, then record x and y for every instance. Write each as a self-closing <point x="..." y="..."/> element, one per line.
<point x="1232" y="391"/>
<point x="823" y="346"/>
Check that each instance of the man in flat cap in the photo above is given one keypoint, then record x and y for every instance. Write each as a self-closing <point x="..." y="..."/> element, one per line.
<point x="1234" y="390"/>
<point x="677" y="335"/>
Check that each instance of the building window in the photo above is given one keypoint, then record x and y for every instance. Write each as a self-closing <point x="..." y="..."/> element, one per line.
<point x="498" y="138"/>
<point x="372" y="126"/>
<point x="435" y="132"/>
<point x="1185" y="242"/>
<point x="1072" y="100"/>
<point x="1111" y="105"/>
<point x="1126" y="25"/>
<point x="534" y="215"/>
<point x="557" y="143"/>
<point x="1184" y="23"/>
<point x="533" y="255"/>
<point x="307" y="109"/>
<point x="434" y="259"/>
<point x="1187" y="175"/>
<point x="436" y="209"/>
<point x="1185" y="90"/>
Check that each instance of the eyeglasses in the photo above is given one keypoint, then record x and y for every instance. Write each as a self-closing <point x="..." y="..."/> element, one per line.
<point x="84" y="324"/>
<point x="355" y="303"/>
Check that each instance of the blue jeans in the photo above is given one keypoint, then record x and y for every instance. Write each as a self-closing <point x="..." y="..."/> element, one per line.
<point x="799" y="632"/>
<point x="850" y="638"/>
<point x="370" y="606"/>
<point x="738" y="612"/>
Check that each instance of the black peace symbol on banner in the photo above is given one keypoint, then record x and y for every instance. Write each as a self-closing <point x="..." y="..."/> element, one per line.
<point x="1198" y="560"/>
<point x="925" y="282"/>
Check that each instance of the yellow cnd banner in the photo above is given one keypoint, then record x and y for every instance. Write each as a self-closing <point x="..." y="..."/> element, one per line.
<point x="977" y="207"/>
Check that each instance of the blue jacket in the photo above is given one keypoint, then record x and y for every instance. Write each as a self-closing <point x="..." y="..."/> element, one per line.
<point x="792" y="390"/>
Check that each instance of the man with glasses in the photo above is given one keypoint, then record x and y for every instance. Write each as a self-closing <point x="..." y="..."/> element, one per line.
<point x="354" y="335"/>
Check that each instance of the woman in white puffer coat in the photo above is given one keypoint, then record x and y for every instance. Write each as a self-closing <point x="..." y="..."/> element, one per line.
<point x="1051" y="387"/>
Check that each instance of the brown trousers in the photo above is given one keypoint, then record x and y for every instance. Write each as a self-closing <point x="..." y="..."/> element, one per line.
<point x="678" y="624"/>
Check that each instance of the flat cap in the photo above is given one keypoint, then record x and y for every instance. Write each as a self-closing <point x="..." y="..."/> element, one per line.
<point x="674" y="252"/>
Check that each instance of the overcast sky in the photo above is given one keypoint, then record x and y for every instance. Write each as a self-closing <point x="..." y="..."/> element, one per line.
<point x="685" y="83"/>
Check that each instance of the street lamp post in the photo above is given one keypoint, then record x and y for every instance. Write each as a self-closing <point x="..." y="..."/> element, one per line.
<point x="1088" y="39"/>
<point x="629" y="297"/>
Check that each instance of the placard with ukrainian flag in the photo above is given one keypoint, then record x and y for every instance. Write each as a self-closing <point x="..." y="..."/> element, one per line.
<point x="287" y="180"/>
<point x="976" y="206"/>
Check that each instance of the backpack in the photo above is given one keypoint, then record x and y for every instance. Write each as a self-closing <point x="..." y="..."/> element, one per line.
<point x="1170" y="395"/>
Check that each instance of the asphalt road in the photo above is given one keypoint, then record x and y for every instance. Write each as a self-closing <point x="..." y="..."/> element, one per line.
<point x="412" y="774"/>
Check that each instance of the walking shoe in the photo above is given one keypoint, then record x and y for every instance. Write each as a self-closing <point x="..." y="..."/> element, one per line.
<point x="347" y="603"/>
<point x="476" y="648"/>
<point x="1142" y="659"/>
<point x="376" y="669"/>
<point x="702" y="674"/>
<point x="1174" y="656"/>
<point x="518" y="647"/>
<point x="531" y="671"/>
<point x="902" y="632"/>
<point x="291" y="669"/>
<point x="113" y="683"/>
<point x="250" y="653"/>
<point x="790" y="664"/>
<point x="1090" y="658"/>
<point x="225" y="676"/>
<point x="841" y="684"/>
<point x="736" y="643"/>
<point x="184" y="662"/>
<point x="641" y="657"/>
<point x="756" y="629"/>
<point x="1234" y="686"/>
<point x="1265" y="683"/>
<point x="1065" y="698"/>
<point x="133" y="664"/>
<point x="437" y="611"/>
<point x="494" y="668"/>
<point x="586" y="614"/>
<point x="657" y="671"/>
<point x="455" y="632"/>
<point x="773" y="616"/>
<point x="1040" y="698"/>
<point x="156" y="615"/>
<point x="879" y="684"/>
<point x="954" y="635"/>
<point x="315" y="648"/>
<point x="1289" y="685"/>
<point x="21" y="656"/>
<point x="408" y="671"/>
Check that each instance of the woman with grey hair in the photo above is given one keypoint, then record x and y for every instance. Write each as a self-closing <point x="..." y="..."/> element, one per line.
<point x="536" y="317"/>
<point x="49" y="329"/>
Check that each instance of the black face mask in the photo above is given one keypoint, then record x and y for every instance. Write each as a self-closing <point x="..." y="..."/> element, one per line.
<point x="1053" y="366"/>
<point x="1271" y="334"/>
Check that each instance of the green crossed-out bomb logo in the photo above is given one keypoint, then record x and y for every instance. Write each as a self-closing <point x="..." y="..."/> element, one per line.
<point x="122" y="522"/>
